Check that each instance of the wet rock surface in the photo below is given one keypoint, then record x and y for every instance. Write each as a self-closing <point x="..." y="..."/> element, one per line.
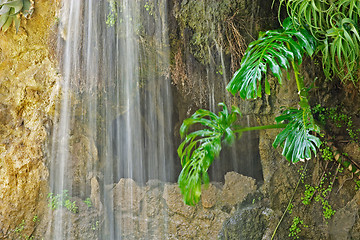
<point x="28" y="92"/>
<point x="157" y="211"/>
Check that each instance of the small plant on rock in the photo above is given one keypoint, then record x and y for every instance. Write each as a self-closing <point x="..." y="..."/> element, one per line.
<point x="62" y="200"/>
<point x="11" y="11"/>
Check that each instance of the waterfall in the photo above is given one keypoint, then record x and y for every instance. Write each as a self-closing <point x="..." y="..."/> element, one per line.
<point x="114" y="120"/>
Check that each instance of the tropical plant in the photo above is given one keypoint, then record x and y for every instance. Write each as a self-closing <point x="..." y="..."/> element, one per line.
<point x="296" y="139"/>
<point x="199" y="148"/>
<point x="12" y="10"/>
<point x="274" y="50"/>
<point x="326" y="27"/>
<point x="335" y="24"/>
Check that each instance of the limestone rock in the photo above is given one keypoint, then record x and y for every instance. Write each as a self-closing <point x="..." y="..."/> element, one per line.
<point x="209" y="196"/>
<point x="81" y="225"/>
<point x="174" y="201"/>
<point x="95" y="194"/>
<point x="127" y="195"/>
<point x="247" y="223"/>
<point x="28" y="93"/>
<point x="236" y="188"/>
<point x="152" y="202"/>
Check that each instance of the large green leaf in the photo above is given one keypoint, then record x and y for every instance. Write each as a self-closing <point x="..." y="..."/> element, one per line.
<point x="201" y="147"/>
<point x="275" y="49"/>
<point x="296" y="139"/>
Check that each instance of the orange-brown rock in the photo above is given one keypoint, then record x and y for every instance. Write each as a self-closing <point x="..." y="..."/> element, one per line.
<point x="28" y="92"/>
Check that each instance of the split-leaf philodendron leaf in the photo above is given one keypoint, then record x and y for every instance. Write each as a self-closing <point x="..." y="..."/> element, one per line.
<point x="199" y="148"/>
<point x="297" y="141"/>
<point x="275" y="49"/>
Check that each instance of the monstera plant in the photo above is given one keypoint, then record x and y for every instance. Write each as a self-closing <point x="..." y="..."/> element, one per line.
<point x="329" y="29"/>
<point x="274" y="51"/>
<point x="11" y="12"/>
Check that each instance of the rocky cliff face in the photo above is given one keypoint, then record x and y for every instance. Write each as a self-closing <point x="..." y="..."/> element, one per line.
<point x="207" y="41"/>
<point x="28" y="91"/>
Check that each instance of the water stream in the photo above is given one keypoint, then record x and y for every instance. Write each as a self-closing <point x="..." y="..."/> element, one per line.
<point x="113" y="136"/>
<point x="114" y="120"/>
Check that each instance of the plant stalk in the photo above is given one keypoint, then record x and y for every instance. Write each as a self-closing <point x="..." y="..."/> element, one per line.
<point x="290" y="201"/>
<point x="273" y="126"/>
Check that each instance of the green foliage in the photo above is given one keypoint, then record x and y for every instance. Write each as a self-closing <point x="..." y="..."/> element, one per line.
<point x="290" y="208"/>
<point x="335" y="24"/>
<point x="149" y="7"/>
<point x="357" y="185"/>
<point x="296" y="140"/>
<point x="71" y="206"/>
<point x="326" y="153"/>
<point x="295" y="227"/>
<point x="113" y="14"/>
<point x="62" y="200"/>
<point x="11" y="11"/>
<point x="20" y="227"/>
<point x="95" y="226"/>
<point x="329" y="116"/>
<point x="88" y="202"/>
<point x="276" y="49"/>
<point x="320" y="194"/>
<point x="308" y="194"/>
<point x="199" y="148"/>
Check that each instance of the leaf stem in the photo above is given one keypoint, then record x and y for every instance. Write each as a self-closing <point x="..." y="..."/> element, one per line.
<point x="299" y="81"/>
<point x="281" y="125"/>
<point x="290" y="201"/>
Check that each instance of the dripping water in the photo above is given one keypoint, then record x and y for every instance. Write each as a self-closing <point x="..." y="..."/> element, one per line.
<point x="114" y="119"/>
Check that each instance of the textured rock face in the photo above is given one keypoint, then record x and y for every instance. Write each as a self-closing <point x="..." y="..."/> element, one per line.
<point x="28" y="92"/>
<point x="157" y="211"/>
<point x="236" y="188"/>
<point x="246" y="223"/>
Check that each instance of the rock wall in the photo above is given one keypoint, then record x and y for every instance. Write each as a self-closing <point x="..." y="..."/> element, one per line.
<point x="203" y="60"/>
<point x="192" y="64"/>
<point x="28" y="92"/>
<point x="155" y="211"/>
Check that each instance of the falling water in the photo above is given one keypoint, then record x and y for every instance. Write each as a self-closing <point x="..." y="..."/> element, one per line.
<point x="114" y="120"/>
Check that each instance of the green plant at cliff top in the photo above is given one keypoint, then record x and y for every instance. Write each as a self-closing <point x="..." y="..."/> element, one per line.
<point x="274" y="50"/>
<point x="12" y="10"/>
<point x="335" y="24"/>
